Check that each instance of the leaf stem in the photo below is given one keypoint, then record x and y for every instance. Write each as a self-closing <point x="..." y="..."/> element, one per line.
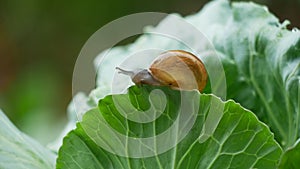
<point x="263" y="99"/>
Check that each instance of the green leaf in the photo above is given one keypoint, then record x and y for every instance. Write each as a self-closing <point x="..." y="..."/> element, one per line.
<point x="222" y="134"/>
<point x="291" y="157"/>
<point x="260" y="56"/>
<point x="17" y="150"/>
<point x="261" y="59"/>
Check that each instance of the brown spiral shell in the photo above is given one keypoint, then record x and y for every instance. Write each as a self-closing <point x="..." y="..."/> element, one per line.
<point x="175" y="68"/>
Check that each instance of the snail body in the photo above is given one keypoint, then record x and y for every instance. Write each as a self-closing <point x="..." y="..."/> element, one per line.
<point x="175" y="68"/>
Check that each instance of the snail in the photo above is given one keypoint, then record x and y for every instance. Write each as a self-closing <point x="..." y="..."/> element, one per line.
<point x="175" y="68"/>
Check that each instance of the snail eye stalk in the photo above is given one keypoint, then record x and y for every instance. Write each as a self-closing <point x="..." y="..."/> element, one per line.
<point x="186" y="68"/>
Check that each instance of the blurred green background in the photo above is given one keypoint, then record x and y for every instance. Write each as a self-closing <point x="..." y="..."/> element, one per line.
<point x="41" y="39"/>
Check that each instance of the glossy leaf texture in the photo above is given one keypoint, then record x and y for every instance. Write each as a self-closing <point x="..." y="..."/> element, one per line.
<point x="291" y="157"/>
<point x="237" y="139"/>
<point x="17" y="150"/>
<point x="261" y="58"/>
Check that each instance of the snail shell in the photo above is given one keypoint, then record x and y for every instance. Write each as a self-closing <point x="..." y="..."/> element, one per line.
<point x="175" y="68"/>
